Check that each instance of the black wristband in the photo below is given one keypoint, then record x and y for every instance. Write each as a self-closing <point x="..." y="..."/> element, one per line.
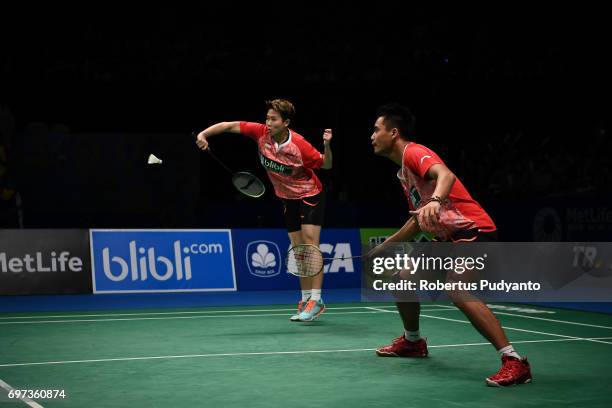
<point x="436" y="198"/>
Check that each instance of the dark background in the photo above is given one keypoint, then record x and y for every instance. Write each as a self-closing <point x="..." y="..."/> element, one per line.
<point x="516" y="101"/>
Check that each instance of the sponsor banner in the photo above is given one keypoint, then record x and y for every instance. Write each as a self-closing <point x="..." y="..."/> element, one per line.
<point x="562" y="219"/>
<point x="44" y="262"/>
<point x="133" y="261"/>
<point x="572" y="222"/>
<point x="371" y="237"/>
<point x="490" y="271"/>
<point x="260" y="256"/>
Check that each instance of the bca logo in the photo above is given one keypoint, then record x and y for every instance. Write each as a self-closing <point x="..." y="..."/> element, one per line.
<point x="264" y="259"/>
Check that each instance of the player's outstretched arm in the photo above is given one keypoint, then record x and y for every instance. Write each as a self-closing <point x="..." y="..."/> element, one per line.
<point x="404" y="234"/>
<point x="327" y="153"/>
<point x="216" y="129"/>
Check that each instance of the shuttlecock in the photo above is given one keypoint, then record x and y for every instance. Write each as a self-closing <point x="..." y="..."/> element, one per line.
<point x="154" y="160"/>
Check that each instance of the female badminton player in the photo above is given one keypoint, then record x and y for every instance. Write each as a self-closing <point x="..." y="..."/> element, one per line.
<point x="289" y="161"/>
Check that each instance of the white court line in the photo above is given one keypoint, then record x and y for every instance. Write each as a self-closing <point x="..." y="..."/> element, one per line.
<point x="186" y="317"/>
<point x="524" y="341"/>
<point x="422" y="306"/>
<point x="524" y="330"/>
<point x="377" y="309"/>
<point x="28" y="401"/>
<point x="171" y="318"/>
<point x="271" y="353"/>
<point x="381" y="310"/>
<point x="552" y="320"/>
<point x="176" y="313"/>
<point x="535" y="318"/>
<point x="505" y="327"/>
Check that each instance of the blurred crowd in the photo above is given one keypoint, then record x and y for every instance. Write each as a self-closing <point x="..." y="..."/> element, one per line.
<point x="515" y="166"/>
<point x="182" y="67"/>
<point x="91" y="179"/>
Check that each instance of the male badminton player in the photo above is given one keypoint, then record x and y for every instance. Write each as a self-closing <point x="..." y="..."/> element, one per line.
<point x="440" y="205"/>
<point x="289" y="161"/>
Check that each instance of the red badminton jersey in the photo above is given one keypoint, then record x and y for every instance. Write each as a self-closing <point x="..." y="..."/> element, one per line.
<point x="459" y="212"/>
<point x="289" y="165"/>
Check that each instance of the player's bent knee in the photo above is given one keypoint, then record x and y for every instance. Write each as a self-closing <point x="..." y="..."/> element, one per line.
<point x="310" y="239"/>
<point x="461" y="297"/>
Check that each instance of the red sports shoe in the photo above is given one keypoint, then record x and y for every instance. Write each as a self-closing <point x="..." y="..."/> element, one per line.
<point x="512" y="372"/>
<point x="404" y="348"/>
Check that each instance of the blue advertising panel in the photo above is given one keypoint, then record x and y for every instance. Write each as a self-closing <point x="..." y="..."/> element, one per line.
<point x="132" y="261"/>
<point x="260" y="253"/>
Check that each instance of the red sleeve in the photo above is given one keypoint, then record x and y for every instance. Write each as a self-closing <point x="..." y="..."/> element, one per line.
<point x="419" y="159"/>
<point x="311" y="158"/>
<point x="253" y="130"/>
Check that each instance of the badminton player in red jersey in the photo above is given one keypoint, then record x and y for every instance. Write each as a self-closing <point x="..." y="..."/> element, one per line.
<point x="289" y="161"/>
<point x="440" y="205"/>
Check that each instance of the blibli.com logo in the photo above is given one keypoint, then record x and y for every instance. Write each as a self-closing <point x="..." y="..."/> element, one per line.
<point x="264" y="259"/>
<point x="127" y="261"/>
<point x="146" y="264"/>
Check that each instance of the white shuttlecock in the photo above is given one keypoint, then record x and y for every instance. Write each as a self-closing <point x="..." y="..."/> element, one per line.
<point x="154" y="160"/>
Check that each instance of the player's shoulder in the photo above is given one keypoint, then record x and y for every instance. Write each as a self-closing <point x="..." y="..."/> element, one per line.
<point x="257" y="125"/>
<point x="416" y="147"/>
<point x="416" y="154"/>
<point x="296" y="136"/>
<point x="298" y="139"/>
<point x="253" y="129"/>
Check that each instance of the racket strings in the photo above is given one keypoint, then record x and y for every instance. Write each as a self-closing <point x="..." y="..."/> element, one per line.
<point x="248" y="184"/>
<point x="304" y="260"/>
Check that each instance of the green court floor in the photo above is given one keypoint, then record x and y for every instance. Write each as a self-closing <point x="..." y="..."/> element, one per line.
<point x="254" y="357"/>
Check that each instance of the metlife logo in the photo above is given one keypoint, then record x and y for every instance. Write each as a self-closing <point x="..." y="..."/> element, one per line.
<point x="41" y="262"/>
<point x="44" y="262"/>
<point x="133" y="261"/>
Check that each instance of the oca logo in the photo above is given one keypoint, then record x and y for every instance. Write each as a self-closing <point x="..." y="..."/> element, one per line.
<point x="263" y="259"/>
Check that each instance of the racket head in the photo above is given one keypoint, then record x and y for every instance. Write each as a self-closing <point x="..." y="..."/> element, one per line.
<point x="304" y="260"/>
<point x="248" y="184"/>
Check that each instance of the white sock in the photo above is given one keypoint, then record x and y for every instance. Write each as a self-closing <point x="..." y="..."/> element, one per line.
<point x="508" y="351"/>
<point x="306" y="295"/>
<point x="316" y="295"/>
<point x="412" y="335"/>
